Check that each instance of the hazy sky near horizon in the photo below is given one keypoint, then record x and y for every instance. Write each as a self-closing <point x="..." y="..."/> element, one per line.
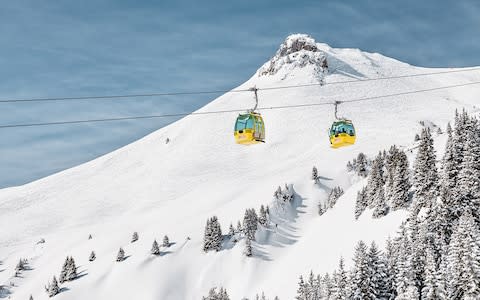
<point x="103" y="47"/>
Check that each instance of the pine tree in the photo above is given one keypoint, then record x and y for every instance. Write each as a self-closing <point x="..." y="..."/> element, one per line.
<point x="262" y="219"/>
<point x="361" y="202"/>
<point x="380" y="208"/>
<point x="20" y="265"/>
<point x="89" y="236"/>
<point x="322" y="208"/>
<point x="31" y="297"/>
<point x="217" y="234"/>
<point x="378" y="283"/>
<point x="418" y="240"/>
<point x="315" y="177"/>
<point x="375" y="180"/>
<point x="430" y="289"/>
<point x="222" y="294"/>
<point x="417" y="137"/>
<point x="63" y="274"/>
<point x="250" y="223"/>
<point x="231" y="230"/>
<point x="360" y="273"/>
<point x="248" y="248"/>
<point x="166" y="242"/>
<point x="425" y="177"/>
<point x="335" y="193"/>
<point x="327" y="286"/>
<point x="120" y="255"/>
<point x="213" y="295"/>
<point x="468" y="184"/>
<point x="302" y="292"/>
<point x="391" y="160"/>
<point x="341" y="281"/>
<point x="405" y="284"/>
<point x="71" y="270"/>
<point x="155" y="249"/>
<point x="391" y="265"/>
<point x="134" y="237"/>
<point x="278" y="193"/>
<point x="92" y="256"/>
<point x="52" y="288"/>
<point x="399" y="194"/>
<point x="213" y="235"/>
<point x="239" y="227"/>
<point x="464" y="259"/>
<point x="361" y="166"/>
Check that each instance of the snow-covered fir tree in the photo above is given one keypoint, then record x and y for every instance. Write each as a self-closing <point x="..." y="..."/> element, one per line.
<point x="380" y="206"/>
<point x="432" y="289"/>
<point x="464" y="260"/>
<point x="391" y="160"/>
<point x="391" y="266"/>
<point x="20" y="265"/>
<point x="315" y="177"/>
<point x="302" y="291"/>
<point x="250" y="223"/>
<point x="361" y="202"/>
<point x="248" y="248"/>
<point x="359" y="165"/>
<point x="63" y="273"/>
<point x="214" y="295"/>
<point x="468" y="183"/>
<point x="212" y="239"/>
<point x="375" y="180"/>
<point x="239" y="227"/>
<point x="92" y="256"/>
<point x="378" y="283"/>
<point x="134" y="237"/>
<point x="360" y="273"/>
<point x="31" y="297"/>
<point x="322" y="208"/>
<point x="399" y="191"/>
<point x="52" y="288"/>
<point x="262" y="218"/>
<point x="340" y="289"/>
<point x="166" y="241"/>
<point x="120" y="255"/>
<point x="425" y="177"/>
<point x="335" y="193"/>
<point x="326" y="286"/>
<point x="71" y="270"/>
<point x="155" y="249"/>
<point x="231" y="230"/>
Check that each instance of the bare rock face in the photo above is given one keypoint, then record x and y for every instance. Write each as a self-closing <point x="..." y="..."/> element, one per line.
<point x="297" y="51"/>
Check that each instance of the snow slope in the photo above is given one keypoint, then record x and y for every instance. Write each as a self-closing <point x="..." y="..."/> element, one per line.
<point x="157" y="188"/>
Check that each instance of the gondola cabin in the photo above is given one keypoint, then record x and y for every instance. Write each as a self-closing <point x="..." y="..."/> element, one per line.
<point x="342" y="133"/>
<point x="249" y="129"/>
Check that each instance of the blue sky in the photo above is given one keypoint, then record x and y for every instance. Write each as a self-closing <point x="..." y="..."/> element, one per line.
<point x="102" y="47"/>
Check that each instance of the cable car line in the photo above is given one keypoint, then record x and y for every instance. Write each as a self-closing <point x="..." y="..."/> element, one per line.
<point x="125" y="96"/>
<point x="235" y="110"/>
<point x="359" y="80"/>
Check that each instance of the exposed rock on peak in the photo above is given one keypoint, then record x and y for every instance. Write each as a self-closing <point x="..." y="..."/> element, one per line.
<point x="297" y="51"/>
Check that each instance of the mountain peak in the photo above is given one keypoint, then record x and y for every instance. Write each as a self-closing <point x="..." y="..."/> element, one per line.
<point x="296" y="51"/>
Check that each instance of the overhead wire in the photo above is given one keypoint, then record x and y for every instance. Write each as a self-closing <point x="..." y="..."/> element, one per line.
<point x="234" y="110"/>
<point x="186" y="93"/>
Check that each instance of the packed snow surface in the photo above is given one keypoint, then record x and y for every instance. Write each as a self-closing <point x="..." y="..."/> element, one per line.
<point x="158" y="188"/>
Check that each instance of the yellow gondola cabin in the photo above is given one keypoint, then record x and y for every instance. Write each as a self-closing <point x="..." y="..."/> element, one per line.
<point x="342" y="133"/>
<point x="249" y="129"/>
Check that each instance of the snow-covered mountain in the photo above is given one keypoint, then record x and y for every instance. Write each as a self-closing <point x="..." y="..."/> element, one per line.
<point x="157" y="188"/>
